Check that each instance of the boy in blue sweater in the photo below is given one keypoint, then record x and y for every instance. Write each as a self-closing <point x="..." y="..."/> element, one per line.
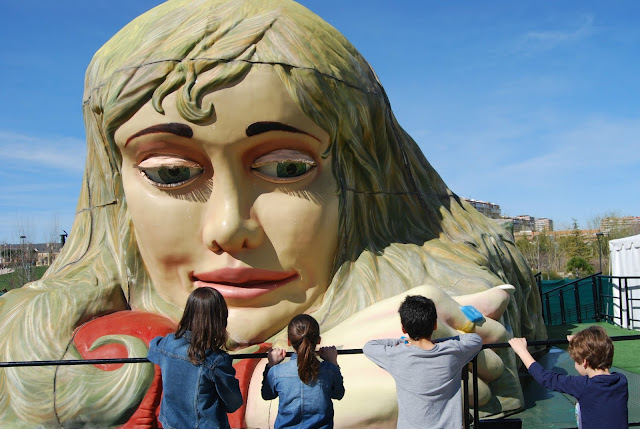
<point x="602" y="396"/>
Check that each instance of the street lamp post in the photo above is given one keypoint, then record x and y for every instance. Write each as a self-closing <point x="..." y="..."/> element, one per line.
<point x="25" y="266"/>
<point x="23" y="238"/>
<point x="599" y="234"/>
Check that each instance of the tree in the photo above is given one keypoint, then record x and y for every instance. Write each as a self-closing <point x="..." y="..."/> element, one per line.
<point x="612" y="226"/>
<point x="579" y="267"/>
<point x="578" y="244"/>
<point x="574" y="244"/>
<point x="527" y="249"/>
<point x="542" y="254"/>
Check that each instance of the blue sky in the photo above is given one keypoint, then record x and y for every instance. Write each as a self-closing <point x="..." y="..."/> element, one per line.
<point x="533" y="106"/>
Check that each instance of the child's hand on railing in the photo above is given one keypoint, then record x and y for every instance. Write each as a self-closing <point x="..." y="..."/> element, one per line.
<point x="519" y="345"/>
<point x="275" y="356"/>
<point x="330" y="354"/>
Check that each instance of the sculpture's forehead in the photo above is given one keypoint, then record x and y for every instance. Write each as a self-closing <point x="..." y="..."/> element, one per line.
<point x="259" y="97"/>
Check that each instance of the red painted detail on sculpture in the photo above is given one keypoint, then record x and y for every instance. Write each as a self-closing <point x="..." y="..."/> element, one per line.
<point x="139" y="324"/>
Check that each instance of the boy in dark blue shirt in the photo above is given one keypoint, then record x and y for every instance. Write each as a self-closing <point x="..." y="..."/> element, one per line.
<point x="602" y="396"/>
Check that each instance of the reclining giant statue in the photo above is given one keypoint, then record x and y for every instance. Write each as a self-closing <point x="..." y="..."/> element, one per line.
<point x="247" y="146"/>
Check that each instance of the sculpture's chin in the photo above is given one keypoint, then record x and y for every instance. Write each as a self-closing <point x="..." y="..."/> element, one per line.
<point x="238" y="341"/>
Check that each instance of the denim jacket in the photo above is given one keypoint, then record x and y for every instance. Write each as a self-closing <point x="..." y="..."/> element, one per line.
<point x="194" y="396"/>
<point x="303" y="406"/>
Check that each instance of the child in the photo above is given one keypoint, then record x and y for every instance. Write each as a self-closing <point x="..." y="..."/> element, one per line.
<point x="198" y="381"/>
<point x="427" y="375"/>
<point x="602" y="396"/>
<point x="305" y="385"/>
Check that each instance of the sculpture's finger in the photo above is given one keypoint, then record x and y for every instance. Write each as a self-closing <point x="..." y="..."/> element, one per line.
<point x="491" y="331"/>
<point x="484" y="393"/>
<point x="490" y="366"/>
<point x="448" y="309"/>
<point x="491" y="302"/>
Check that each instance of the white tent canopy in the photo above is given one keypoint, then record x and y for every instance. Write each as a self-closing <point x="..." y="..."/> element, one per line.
<point x="624" y="261"/>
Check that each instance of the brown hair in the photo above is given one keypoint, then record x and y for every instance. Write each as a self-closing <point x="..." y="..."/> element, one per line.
<point x="304" y="335"/>
<point x="205" y="317"/>
<point x="593" y="345"/>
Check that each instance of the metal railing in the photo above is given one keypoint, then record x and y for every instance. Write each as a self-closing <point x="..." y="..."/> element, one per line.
<point x="625" y="299"/>
<point x="591" y="299"/>
<point x="468" y="423"/>
<point x="569" y="297"/>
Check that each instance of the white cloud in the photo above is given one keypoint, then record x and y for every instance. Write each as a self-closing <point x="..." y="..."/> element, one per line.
<point x="549" y="39"/>
<point x="596" y="144"/>
<point x="561" y="168"/>
<point x="55" y="152"/>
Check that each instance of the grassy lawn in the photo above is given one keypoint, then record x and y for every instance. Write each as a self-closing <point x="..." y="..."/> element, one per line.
<point x="626" y="352"/>
<point x="5" y="279"/>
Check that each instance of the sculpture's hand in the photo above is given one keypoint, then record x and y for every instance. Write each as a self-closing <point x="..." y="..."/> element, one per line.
<point x="371" y="388"/>
<point x="370" y="397"/>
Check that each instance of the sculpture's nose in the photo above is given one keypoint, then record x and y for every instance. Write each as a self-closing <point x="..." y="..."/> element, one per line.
<point x="230" y="224"/>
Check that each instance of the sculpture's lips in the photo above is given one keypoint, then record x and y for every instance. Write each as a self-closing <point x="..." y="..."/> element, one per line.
<point x="244" y="283"/>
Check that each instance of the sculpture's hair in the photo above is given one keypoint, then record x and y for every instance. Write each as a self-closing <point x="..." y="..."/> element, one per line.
<point x="304" y="335"/>
<point x="399" y="225"/>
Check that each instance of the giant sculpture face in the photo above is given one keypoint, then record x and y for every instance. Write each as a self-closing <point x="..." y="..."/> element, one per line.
<point x="246" y="145"/>
<point x="246" y="203"/>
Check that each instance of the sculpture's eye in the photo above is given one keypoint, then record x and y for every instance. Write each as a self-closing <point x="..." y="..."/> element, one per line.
<point x="283" y="165"/>
<point x="169" y="172"/>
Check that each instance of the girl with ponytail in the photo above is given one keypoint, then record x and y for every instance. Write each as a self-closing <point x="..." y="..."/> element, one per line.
<point x="305" y="385"/>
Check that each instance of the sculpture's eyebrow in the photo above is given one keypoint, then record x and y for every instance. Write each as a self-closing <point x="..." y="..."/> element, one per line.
<point x="176" y="128"/>
<point x="264" y="127"/>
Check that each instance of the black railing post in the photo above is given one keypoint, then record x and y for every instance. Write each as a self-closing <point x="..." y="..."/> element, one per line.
<point x="620" y="293"/>
<point x="626" y="296"/>
<point x="546" y="298"/>
<point x="538" y="278"/>
<point x="476" y="407"/>
<point x="576" y="295"/>
<point x="594" y="291"/>
<point x="563" y="317"/>
<point x="465" y="396"/>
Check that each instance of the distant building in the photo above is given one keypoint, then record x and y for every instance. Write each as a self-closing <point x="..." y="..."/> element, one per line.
<point x="587" y="235"/>
<point x="46" y="253"/>
<point x="490" y="210"/>
<point x="543" y="224"/>
<point x="524" y="223"/>
<point x="609" y="224"/>
<point x="515" y="224"/>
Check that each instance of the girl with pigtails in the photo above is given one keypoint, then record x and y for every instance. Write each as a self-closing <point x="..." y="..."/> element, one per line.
<point x="247" y="146"/>
<point x="305" y="386"/>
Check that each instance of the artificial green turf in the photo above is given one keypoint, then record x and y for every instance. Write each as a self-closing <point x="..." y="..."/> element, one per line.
<point x="626" y="353"/>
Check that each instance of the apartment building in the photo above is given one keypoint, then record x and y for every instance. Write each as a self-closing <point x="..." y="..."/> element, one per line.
<point x="488" y="209"/>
